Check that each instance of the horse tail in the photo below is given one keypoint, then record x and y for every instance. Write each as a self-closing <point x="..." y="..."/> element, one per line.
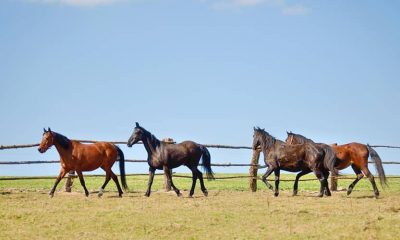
<point x="206" y="162"/>
<point x="330" y="159"/>
<point x="378" y="165"/>
<point x="121" y="159"/>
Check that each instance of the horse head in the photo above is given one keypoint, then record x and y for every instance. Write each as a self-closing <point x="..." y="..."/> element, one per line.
<point x="290" y="137"/>
<point x="47" y="140"/>
<point x="136" y="135"/>
<point x="258" y="137"/>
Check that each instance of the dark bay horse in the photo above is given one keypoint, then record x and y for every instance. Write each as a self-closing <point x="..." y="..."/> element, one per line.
<point x="75" y="156"/>
<point x="354" y="154"/>
<point x="168" y="156"/>
<point x="303" y="158"/>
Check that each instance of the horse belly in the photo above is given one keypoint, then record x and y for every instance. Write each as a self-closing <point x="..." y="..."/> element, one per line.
<point x="292" y="168"/>
<point x="90" y="162"/>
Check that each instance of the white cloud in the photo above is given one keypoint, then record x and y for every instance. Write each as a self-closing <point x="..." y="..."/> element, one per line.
<point x="79" y="3"/>
<point x="281" y="5"/>
<point x="297" y="9"/>
<point x="226" y="4"/>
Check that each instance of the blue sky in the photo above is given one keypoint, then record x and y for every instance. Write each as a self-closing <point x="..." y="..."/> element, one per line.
<point x="204" y="70"/>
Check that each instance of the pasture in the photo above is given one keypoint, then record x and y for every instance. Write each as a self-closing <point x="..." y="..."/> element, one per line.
<point x="230" y="211"/>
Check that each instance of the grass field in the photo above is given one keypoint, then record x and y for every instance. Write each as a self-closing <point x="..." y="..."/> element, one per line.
<point x="229" y="212"/>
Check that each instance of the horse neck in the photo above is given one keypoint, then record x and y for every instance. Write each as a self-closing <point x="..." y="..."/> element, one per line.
<point x="65" y="154"/>
<point x="267" y="147"/>
<point x="301" y="139"/>
<point x="150" y="144"/>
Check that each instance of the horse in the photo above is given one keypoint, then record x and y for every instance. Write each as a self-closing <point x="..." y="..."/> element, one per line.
<point x="303" y="158"/>
<point x="75" y="156"/>
<point x="354" y="155"/>
<point x="168" y="156"/>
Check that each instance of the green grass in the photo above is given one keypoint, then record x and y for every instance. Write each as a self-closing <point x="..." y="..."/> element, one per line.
<point x="230" y="211"/>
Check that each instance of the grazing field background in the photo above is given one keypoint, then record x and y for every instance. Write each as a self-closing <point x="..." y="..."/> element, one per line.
<point x="230" y="211"/>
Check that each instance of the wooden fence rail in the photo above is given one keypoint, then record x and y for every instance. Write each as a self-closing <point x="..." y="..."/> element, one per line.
<point x="2" y="147"/>
<point x="179" y="176"/>
<point x="144" y="161"/>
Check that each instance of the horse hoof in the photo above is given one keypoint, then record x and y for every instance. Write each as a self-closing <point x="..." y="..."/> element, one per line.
<point x="205" y="193"/>
<point x="271" y="187"/>
<point x="179" y="194"/>
<point x="51" y="195"/>
<point x="294" y="193"/>
<point x="320" y="195"/>
<point x="147" y="194"/>
<point x="276" y="194"/>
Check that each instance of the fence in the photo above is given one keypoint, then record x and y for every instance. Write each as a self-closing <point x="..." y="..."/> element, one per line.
<point x="253" y="166"/>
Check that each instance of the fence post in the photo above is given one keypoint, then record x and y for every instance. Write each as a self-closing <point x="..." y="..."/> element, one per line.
<point x="253" y="170"/>
<point x="70" y="181"/>
<point x="333" y="182"/>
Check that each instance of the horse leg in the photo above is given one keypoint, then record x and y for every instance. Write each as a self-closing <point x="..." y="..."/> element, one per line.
<point x="322" y="183"/>
<point x="108" y="177"/>
<point x="359" y="176"/>
<point x="151" y="177"/>
<point x="167" y="172"/>
<point x="277" y="174"/>
<point x="60" y="176"/>
<point x="369" y="175"/>
<point x="82" y="182"/>
<point x="296" y="181"/>
<point x="115" y="179"/>
<point x="264" y="177"/>
<point x="327" y="192"/>
<point x="203" y="188"/>
<point x="194" y="179"/>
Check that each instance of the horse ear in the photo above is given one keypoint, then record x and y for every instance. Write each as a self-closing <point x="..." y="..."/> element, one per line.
<point x="44" y="130"/>
<point x="137" y="124"/>
<point x="254" y="128"/>
<point x="48" y="129"/>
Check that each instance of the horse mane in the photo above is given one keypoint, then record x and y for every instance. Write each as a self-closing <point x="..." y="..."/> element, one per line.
<point x="62" y="140"/>
<point x="153" y="139"/>
<point x="267" y="139"/>
<point x="302" y="138"/>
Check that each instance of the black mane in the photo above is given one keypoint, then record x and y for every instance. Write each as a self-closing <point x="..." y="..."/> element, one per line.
<point x="267" y="139"/>
<point x="62" y="140"/>
<point x="301" y="138"/>
<point x="153" y="139"/>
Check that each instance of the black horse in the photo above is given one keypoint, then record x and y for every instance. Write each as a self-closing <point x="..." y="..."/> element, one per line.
<point x="303" y="158"/>
<point x="168" y="156"/>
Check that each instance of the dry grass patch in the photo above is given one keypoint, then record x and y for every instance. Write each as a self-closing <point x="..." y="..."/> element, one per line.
<point x="225" y="214"/>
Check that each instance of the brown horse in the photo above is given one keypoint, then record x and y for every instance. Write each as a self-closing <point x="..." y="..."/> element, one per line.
<point x="303" y="158"/>
<point x="75" y="156"/>
<point x="168" y="156"/>
<point x="354" y="154"/>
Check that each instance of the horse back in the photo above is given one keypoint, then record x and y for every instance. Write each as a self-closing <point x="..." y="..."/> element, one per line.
<point x="184" y="153"/>
<point x="88" y="157"/>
